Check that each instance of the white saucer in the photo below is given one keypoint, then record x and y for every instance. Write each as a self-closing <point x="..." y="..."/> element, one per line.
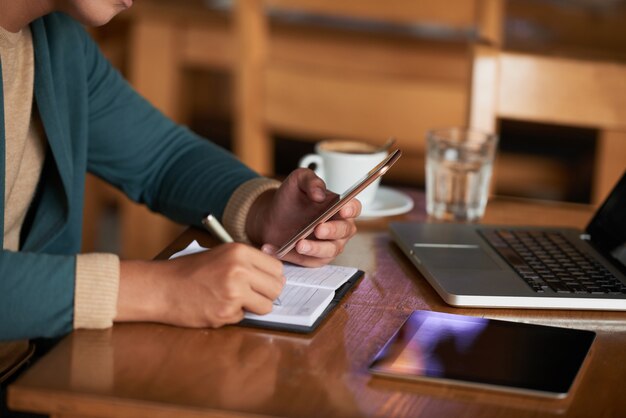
<point x="387" y="202"/>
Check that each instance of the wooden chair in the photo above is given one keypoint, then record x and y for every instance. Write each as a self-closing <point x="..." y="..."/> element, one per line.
<point x="562" y="91"/>
<point x="318" y="83"/>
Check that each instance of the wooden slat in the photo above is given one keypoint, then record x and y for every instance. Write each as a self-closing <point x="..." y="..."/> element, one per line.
<point x="367" y="108"/>
<point x="154" y="70"/>
<point x="594" y="29"/>
<point x="208" y="45"/>
<point x="451" y="13"/>
<point x="175" y="12"/>
<point x="562" y="91"/>
<point x="212" y="46"/>
<point x="484" y="85"/>
<point x="252" y="144"/>
<point x="490" y="21"/>
<point x="382" y="55"/>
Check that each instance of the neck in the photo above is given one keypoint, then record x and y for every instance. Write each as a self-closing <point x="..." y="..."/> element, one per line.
<point x="16" y="15"/>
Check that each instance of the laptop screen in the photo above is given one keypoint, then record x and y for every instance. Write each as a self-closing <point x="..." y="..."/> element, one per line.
<point x="608" y="227"/>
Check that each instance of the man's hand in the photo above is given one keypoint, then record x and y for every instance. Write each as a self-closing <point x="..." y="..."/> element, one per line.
<point x="278" y="215"/>
<point x="207" y="289"/>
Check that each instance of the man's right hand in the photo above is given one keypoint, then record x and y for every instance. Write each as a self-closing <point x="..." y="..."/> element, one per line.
<point x="207" y="289"/>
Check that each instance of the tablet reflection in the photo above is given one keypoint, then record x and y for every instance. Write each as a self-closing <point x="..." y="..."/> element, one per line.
<point x="417" y="349"/>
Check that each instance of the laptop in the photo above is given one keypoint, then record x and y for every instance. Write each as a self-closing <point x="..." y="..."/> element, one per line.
<point x="475" y="265"/>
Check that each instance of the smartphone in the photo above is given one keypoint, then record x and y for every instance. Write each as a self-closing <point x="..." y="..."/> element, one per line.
<point x="338" y="203"/>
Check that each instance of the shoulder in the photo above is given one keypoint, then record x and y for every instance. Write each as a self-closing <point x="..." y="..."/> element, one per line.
<point x="58" y="31"/>
<point x="63" y="47"/>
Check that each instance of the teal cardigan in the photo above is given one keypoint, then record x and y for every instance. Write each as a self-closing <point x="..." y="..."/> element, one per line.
<point x="94" y="121"/>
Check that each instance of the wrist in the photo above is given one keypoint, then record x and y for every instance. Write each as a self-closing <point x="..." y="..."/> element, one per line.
<point x="143" y="291"/>
<point x="259" y="217"/>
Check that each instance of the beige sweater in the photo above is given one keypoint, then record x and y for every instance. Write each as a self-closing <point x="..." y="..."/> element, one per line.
<point x="97" y="275"/>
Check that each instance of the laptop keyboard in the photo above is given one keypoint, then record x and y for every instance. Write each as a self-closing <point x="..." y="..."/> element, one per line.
<point x="547" y="260"/>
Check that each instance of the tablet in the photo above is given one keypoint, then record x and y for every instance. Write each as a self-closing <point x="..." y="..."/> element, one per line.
<point x="485" y="353"/>
<point x="335" y="205"/>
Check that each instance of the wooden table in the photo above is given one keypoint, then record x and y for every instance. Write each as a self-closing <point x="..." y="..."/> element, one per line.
<point x="135" y="370"/>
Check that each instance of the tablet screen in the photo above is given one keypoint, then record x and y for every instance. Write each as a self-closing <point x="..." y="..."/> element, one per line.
<point x="487" y="353"/>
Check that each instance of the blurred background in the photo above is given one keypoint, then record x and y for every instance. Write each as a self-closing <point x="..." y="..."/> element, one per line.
<point x="266" y="79"/>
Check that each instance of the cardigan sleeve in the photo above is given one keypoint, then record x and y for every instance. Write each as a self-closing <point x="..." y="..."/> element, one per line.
<point x="153" y="160"/>
<point x="47" y="282"/>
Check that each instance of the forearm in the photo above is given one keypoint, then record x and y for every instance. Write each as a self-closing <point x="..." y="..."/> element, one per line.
<point x="142" y="292"/>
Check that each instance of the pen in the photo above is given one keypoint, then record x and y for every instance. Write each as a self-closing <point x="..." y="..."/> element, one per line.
<point x="214" y="226"/>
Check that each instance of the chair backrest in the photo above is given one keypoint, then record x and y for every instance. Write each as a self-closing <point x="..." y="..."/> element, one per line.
<point x="365" y="85"/>
<point x="561" y="91"/>
<point x="481" y="15"/>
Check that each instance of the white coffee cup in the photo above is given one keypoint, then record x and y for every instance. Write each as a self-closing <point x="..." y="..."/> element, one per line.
<point x="341" y="163"/>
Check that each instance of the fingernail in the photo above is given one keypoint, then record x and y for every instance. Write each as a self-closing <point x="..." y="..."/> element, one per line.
<point x="304" y="248"/>
<point x="319" y="194"/>
<point x="268" y="249"/>
<point x="322" y="231"/>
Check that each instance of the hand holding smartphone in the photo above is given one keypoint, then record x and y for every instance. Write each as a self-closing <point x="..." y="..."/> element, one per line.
<point x="334" y="207"/>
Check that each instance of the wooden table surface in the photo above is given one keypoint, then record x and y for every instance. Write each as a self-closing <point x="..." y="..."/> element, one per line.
<point x="135" y="370"/>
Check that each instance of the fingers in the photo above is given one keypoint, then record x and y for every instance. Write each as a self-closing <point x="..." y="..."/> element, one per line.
<point x="245" y="279"/>
<point x="258" y="304"/>
<point x="331" y="238"/>
<point x="262" y="272"/>
<point x="321" y="249"/>
<point x="310" y="184"/>
<point x="267" y="286"/>
<point x="352" y="209"/>
<point x="306" y="261"/>
<point x="263" y="262"/>
<point x="229" y="315"/>
<point x="333" y="230"/>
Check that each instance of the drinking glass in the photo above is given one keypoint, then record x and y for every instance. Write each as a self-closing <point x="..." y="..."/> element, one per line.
<point x="459" y="163"/>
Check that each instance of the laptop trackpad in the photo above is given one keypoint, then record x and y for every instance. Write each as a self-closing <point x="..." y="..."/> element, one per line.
<point x="455" y="259"/>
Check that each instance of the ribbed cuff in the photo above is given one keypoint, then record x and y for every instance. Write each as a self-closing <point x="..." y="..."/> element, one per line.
<point x="95" y="294"/>
<point x="238" y="206"/>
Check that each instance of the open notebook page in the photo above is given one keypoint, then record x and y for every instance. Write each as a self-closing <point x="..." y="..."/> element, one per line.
<point x="300" y="305"/>
<point x="306" y="294"/>
<point x="328" y="277"/>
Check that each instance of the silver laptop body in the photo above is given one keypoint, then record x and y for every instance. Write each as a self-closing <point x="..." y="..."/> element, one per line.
<point x="466" y="270"/>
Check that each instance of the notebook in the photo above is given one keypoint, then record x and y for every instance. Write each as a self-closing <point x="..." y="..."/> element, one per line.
<point x="524" y="267"/>
<point x="308" y="296"/>
<point x="485" y="353"/>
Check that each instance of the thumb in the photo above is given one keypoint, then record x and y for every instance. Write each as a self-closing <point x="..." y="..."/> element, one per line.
<point x="269" y="249"/>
